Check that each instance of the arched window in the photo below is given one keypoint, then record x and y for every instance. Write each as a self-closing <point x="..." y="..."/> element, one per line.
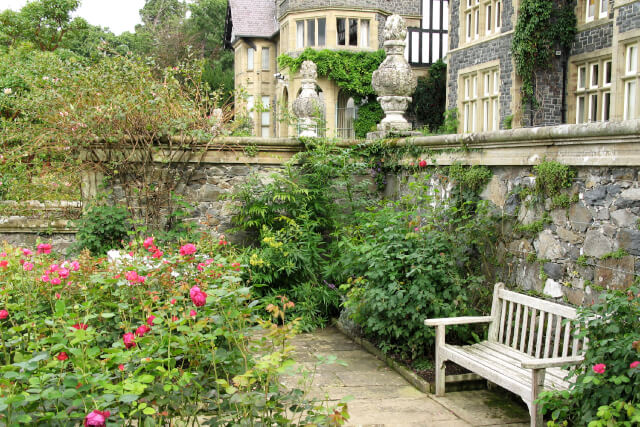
<point x="345" y="116"/>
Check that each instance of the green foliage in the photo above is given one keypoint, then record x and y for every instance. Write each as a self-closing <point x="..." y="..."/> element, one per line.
<point x="619" y="254"/>
<point x="618" y="413"/>
<point x="103" y="228"/>
<point x="470" y="178"/>
<point x="535" y="227"/>
<point x="508" y="121"/>
<point x="560" y="201"/>
<point x="450" y="123"/>
<point x="369" y="115"/>
<point x="429" y="98"/>
<point x="582" y="260"/>
<point x="410" y="260"/>
<point x="351" y="71"/>
<point x="543" y="26"/>
<point x="552" y="177"/>
<point x="612" y="326"/>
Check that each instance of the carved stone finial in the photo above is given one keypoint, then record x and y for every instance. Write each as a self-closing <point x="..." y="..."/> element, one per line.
<point x="395" y="28"/>
<point x="309" y="70"/>
<point x="394" y="81"/>
<point x="307" y="105"/>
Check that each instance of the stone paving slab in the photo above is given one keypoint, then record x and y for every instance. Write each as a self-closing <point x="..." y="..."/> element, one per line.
<point x="381" y="397"/>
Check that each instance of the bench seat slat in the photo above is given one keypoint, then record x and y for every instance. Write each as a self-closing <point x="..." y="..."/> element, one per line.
<point x="500" y="372"/>
<point x="514" y="357"/>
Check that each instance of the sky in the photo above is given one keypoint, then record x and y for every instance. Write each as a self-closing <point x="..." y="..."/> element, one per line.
<point x="117" y="15"/>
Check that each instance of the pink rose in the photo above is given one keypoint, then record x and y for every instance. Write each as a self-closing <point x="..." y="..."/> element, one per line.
<point x="58" y="296"/>
<point x="62" y="356"/>
<point x="200" y="266"/>
<point x="27" y="252"/>
<point x="634" y="365"/>
<point x="173" y="301"/>
<point x="157" y="254"/>
<point x="82" y="326"/>
<point x="53" y="267"/>
<point x="150" y="320"/>
<point x="55" y="281"/>
<point x="193" y="313"/>
<point x="131" y="276"/>
<point x="27" y="266"/>
<point x="143" y="329"/>
<point x="148" y="242"/>
<point x="63" y="273"/>
<point x="129" y="340"/>
<point x="44" y="278"/>
<point x="198" y="297"/>
<point x="75" y="266"/>
<point x="121" y="367"/>
<point x="599" y="368"/>
<point x="44" y="248"/>
<point x="96" y="418"/>
<point x="4" y="314"/>
<point x="188" y="249"/>
<point x="4" y="263"/>
<point x="3" y="255"/>
<point x="423" y="163"/>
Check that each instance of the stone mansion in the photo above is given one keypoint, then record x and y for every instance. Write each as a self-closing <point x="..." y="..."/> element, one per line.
<point x="597" y="80"/>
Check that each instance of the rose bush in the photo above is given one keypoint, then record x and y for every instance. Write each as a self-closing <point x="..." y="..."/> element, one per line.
<point x="119" y="340"/>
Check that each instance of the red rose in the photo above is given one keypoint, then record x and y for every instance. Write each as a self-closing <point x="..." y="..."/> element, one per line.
<point x="62" y="356"/>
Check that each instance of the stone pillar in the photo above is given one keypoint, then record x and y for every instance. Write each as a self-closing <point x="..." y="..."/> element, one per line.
<point x="307" y="105"/>
<point x="394" y="81"/>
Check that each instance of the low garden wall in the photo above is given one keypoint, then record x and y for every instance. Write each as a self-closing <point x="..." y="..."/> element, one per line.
<point x="569" y="247"/>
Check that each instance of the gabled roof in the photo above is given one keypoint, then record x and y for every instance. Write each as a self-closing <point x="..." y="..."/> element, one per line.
<point x="251" y="18"/>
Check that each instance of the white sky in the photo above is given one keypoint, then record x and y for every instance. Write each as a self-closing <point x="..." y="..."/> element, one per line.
<point x="117" y="15"/>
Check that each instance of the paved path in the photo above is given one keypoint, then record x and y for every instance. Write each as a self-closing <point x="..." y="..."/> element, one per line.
<point x="381" y="397"/>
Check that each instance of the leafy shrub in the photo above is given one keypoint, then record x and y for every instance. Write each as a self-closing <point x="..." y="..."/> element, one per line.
<point x="103" y="228"/>
<point x="407" y="261"/>
<point x="429" y="98"/>
<point x="369" y="115"/>
<point x="152" y="336"/>
<point x="552" y="177"/>
<point x="612" y="326"/>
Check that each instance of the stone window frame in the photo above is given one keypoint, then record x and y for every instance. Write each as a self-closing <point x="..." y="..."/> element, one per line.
<point x="630" y="79"/>
<point x="359" y="33"/>
<point x="479" y="98"/>
<point x="592" y="89"/>
<point x="265" y="60"/>
<point x="251" y="58"/>
<point x="480" y="19"/>
<point x="305" y="32"/>
<point x="265" y="116"/>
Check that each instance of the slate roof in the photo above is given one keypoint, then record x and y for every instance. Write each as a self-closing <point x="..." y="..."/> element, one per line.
<point x="253" y="18"/>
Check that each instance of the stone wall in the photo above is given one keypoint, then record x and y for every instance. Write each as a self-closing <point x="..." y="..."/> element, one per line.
<point x="573" y="257"/>
<point x="593" y="39"/>
<point x="628" y="17"/>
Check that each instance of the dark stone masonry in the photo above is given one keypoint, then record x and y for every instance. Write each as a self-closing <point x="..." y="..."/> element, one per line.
<point x="628" y="17"/>
<point x="593" y="39"/>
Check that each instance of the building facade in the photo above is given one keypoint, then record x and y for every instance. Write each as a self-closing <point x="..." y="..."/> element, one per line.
<point x="597" y="80"/>
<point x="260" y="30"/>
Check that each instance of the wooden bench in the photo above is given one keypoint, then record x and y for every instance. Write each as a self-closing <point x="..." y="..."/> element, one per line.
<point x="525" y="351"/>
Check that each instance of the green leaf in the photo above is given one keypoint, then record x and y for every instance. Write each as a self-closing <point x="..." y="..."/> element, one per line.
<point x="128" y="398"/>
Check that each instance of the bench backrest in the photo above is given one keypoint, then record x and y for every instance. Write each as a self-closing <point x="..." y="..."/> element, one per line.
<point x="533" y="325"/>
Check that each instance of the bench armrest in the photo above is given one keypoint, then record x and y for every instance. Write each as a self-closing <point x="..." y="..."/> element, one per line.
<point x="551" y="362"/>
<point x="458" y="320"/>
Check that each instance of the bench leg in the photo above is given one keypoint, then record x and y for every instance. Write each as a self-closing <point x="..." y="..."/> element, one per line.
<point x="439" y="368"/>
<point x="537" y="386"/>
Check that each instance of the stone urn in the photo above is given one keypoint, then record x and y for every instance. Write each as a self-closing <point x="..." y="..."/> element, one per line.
<point x="394" y="81"/>
<point x="308" y="104"/>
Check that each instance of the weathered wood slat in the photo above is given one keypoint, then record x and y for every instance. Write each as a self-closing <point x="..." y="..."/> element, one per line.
<point x="547" y="338"/>
<point x="516" y="327"/>
<point x="566" y="340"/>
<point x="558" y="337"/>
<point x="509" y="323"/>
<point x="523" y="337"/>
<point x="532" y="333"/>
<point x="502" y="318"/>
<point x="540" y="333"/>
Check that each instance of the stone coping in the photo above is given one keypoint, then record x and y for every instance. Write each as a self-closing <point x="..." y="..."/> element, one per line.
<point x="26" y="224"/>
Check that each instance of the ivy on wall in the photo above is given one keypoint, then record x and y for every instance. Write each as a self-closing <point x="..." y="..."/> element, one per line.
<point x="542" y="27"/>
<point x="429" y="99"/>
<point x="351" y="71"/>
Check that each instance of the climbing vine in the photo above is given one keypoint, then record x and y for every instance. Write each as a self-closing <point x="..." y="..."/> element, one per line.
<point x="351" y="71"/>
<point x="542" y="27"/>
